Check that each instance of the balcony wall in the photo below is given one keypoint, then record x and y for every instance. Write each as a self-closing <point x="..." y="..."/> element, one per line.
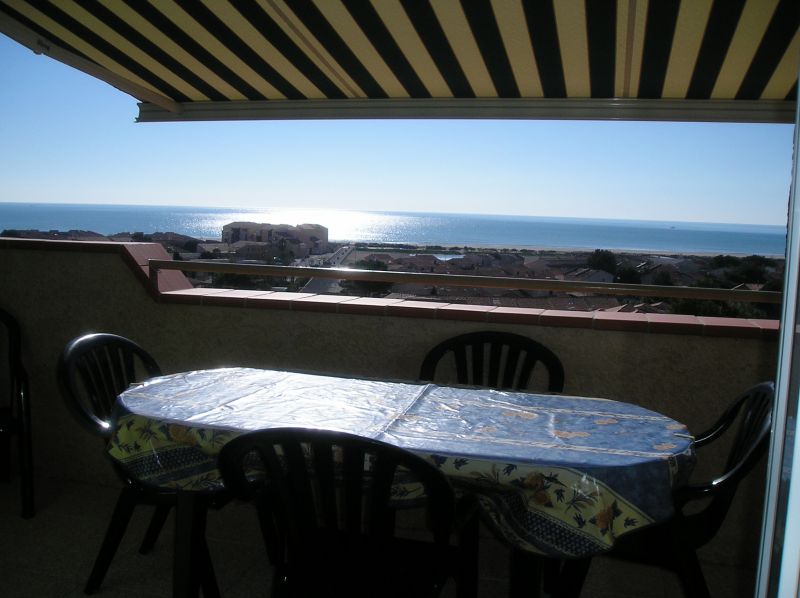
<point x="686" y="367"/>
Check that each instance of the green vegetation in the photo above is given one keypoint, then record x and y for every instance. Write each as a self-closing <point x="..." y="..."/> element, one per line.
<point x="367" y="288"/>
<point x="603" y="259"/>
<point x="718" y="272"/>
<point x="629" y="275"/>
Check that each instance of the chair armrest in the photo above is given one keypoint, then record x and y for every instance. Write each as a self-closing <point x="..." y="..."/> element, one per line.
<point x="719" y="427"/>
<point x="731" y="477"/>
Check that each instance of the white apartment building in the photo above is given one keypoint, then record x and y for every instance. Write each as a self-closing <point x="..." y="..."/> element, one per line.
<point x="313" y="236"/>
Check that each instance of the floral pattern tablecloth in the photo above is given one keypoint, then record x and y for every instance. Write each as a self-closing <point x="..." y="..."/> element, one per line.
<point x="554" y="474"/>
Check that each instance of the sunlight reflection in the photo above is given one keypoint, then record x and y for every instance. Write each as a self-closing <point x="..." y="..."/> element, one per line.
<point x="343" y="225"/>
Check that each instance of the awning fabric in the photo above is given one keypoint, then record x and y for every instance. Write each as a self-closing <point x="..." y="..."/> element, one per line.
<point x="192" y="59"/>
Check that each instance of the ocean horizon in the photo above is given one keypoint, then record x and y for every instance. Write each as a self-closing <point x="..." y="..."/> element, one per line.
<point x="413" y="228"/>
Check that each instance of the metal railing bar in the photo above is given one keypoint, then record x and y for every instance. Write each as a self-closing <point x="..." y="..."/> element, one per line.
<point x="492" y="282"/>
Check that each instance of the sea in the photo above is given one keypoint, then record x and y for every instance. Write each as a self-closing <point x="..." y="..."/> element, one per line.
<point x="413" y="228"/>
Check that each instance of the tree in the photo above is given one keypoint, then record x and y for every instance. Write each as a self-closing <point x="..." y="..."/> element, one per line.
<point x="603" y="259"/>
<point x="752" y="268"/>
<point x="628" y="275"/>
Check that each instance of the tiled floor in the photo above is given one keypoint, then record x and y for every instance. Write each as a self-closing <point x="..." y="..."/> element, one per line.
<point x="51" y="554"/>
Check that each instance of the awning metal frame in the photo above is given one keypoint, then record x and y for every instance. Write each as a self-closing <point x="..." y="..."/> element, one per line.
<point x="742" y="111"/>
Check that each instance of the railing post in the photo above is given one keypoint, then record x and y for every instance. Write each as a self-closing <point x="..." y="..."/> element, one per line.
<point x="152" y="273"/>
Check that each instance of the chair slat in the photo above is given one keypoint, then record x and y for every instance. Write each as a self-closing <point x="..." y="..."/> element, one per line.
<point x="353" y="487"/>
<point x="477" y="364"/>
<point x="380" y="492"/>
<point x="512" y="359"/>
<point x="298" y="487"/>
<point x="462" y="373"/>
<point x="124" y="371"/>
<point x="525" y="371"/>
<point x="325" y="473"/>
<point x="102" y="359"/>
<point x="495" y="355"/>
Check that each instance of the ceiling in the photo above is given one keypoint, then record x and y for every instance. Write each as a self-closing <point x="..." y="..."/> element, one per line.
<point x="727" y="60"/>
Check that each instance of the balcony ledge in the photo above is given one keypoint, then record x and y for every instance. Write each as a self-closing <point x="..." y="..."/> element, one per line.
<point x="173" y="287"/>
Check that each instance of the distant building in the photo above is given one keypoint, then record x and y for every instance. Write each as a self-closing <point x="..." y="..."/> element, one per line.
<point x="304" y="238"/>
<point x="379" y="257"/>
<point x="589" y="275"/>
<point x="418" y="263"/>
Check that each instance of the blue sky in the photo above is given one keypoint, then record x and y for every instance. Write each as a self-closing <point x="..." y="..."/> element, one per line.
<point x="68" y="138"/>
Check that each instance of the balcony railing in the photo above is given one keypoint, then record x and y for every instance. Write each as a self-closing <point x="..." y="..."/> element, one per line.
<point x="493" y="282"/>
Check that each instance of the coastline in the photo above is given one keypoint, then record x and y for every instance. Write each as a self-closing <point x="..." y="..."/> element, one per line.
<point x="406" y="248"/>
<point x="480" y="231"/>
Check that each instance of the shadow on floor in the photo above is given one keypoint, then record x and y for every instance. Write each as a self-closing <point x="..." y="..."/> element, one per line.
<point x="51" y="555"/>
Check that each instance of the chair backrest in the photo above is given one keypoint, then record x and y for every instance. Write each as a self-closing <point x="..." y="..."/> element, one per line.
<point x="319" y="481"/>
<point x="750" y="415"/>
<point x="499" y="360"/>
<point x="94" y="369"/>
<point x="15" y="378"/>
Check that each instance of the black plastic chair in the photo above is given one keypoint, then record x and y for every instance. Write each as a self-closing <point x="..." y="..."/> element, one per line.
<point x="500" y="360"/>
<point x="15" y="416"/>
<point x="673" y="544"/>
<point x="503" y="361"/>
<point x="93" y="370"/>
<point x="325" y="505"/>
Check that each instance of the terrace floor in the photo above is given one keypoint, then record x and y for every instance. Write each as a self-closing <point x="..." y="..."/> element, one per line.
<point x="51" y="554"/>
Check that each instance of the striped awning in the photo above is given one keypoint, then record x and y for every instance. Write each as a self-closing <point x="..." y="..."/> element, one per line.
<point x="734" y="60"/>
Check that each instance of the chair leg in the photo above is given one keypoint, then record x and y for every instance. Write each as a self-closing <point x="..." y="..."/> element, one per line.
<point x="279" y="587"/>
<point x="525" y="575"/>
<point x="571" y="578"/>
<point x="467" y="555"/>
<point x="154" y="529"/>
<point x="690" y="574"/>
<point x="192" y="567"/>
<point x="116" y="529"/>
<point x="551" y="575"/>
<point x="208" y="580"/>
<point x="5" y="444"/>
<point x="26" y="459"/>
<point x="184" y="584"/>
<point x="26" y="489"/>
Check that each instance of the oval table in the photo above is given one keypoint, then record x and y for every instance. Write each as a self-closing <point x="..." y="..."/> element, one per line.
<point x="558" y="475"/>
